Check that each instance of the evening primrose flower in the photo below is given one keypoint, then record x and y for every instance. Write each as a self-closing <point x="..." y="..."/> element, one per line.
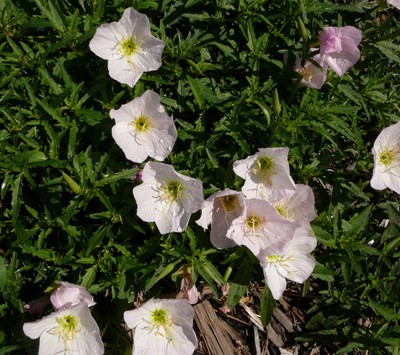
<point x="143" y="129"/>
<point x="338" y="47"/>
<point x="297" y="206"/>
<point x="386" y="151"/>
<point x="162" y="327"/>
<point x="128" y="46"/>
<point x="269" y="168"/>
<point x="167" y="197"/>
<point x="260" y="226"/>
<point x="312" y="75"/>
<point x="289" y="260"/>
<point x="66" y="295"/>
<point x="219" y="210"/>
<point x="69" y="331"/>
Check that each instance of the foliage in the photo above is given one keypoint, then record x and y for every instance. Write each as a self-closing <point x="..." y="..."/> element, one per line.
<point x="66" y="195"/>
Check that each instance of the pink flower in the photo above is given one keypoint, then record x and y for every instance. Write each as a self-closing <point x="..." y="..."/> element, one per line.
<point x="37" y="306"/>
<point x="313" y="76"/>
<point x="338" y="47"/>
<point x="67" y="295"/>
<point x="395" y="3"/>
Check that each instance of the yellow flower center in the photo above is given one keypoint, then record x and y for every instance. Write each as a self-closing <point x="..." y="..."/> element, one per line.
<point x="276" y="259"/>
<point x="159" y="318"/>
<point x="229" y="203"/>
<point x="142" y="124"/>
<point x="128" y="47"/>
<point x="387" y="157"/>
<point x="68" y="327"/>
<point x="264" y="167"/>
<point x="173" y="190"/>
<point x="306" y="73"/>
<point x="253" y="223"/>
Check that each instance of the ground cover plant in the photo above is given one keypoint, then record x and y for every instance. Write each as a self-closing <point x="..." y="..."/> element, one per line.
<point x="235" y="77"/>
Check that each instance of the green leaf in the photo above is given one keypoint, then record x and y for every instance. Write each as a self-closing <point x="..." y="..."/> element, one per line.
<point x="268" y="304"/>
<point x="160" y="273"/>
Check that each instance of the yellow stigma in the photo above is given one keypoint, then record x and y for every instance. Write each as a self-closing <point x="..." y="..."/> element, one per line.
<point x="142" y="124"/>
<point x="252" y="223"/>
<point x="68" y="327"/>
<point x="128" y="47"/>
<point x="276" y="259"/>
<point x="159" y="318"/>
<point x="173" y="190"/>
<point x="386" y="157"/>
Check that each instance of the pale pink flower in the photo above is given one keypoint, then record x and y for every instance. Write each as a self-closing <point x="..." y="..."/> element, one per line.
<point x="162" y="327"/>
<point x="260" y="226"/>
<point x="269" y="168"/>
<point x="288" y="260"/>
<point x="143" y="129"/>
<point x="338" y="47"/>
<point x="219" y="210"/>
<point x="386" y="153"/>
<point x="128" y="46"/>
<point x="68" y="331"/>
<point x="66" y="295"/>
<point x="297" y="206"/>
<point x="167" y="197"/>
<point x="312" y="75"/>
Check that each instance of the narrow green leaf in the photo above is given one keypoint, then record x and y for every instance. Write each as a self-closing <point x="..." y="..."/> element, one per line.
<point x="267" y="306"/>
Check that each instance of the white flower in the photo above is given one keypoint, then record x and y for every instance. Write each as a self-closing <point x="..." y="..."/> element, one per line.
<point x="219" y="210"/>
<point x="386" y="153"/>
<point x="128" y="46"/>
<point x="296" y="206"/>
<point x="290" y="260"/>
<point x="69" y="331"/>
<point x="142" y="128"/>
<point x="260" y="226"/>
<point x="167" y="197"/>
<point x="67" y="295"/>
<point x="162" y="327"/>
<point x="268" y="168"/>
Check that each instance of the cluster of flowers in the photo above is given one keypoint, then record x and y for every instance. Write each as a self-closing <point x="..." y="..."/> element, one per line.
<point x="162" y="326"/>
<point x="338" y="51"/>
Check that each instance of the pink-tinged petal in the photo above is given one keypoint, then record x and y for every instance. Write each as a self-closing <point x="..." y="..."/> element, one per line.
<point x="351" y="33"/>
<point x="50" y="344"/>
<point x="301" y="267"/>
<point x="340" y="63"/>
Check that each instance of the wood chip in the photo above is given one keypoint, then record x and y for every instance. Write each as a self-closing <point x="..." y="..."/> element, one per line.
<point x="218" y="336"/>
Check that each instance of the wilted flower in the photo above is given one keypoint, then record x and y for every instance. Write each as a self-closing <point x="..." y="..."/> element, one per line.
<point x="162" y="327"/>
<point x="386" y="153"/>
<point x="143" y="129"/>
<point x="313" y="76"/>
<point x="269" y="168"/>
<point x="289" y="260"/>
<point x="260" y="226"/>
<point x="128" y="46"/>
<point x="189" y="290"/>
<point x="219" y="210"/>
<point x="37" y="306"/>
<point x="338" y="47"/>
<point x="69" y="331"/>
<point x="66" y="295"/>
<point x="167" y="197"/>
